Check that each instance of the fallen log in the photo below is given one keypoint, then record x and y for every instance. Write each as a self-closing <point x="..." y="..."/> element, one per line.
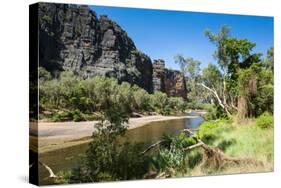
<point x="152" y="146"/>
<point x="216" y="158"/>
<point x="199" y="144"/>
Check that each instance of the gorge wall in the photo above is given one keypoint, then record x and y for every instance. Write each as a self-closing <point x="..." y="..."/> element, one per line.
<point x="73" y="38"/>
<point x="171" y="82"/>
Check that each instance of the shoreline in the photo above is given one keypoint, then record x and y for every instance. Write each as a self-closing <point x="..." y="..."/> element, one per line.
<point x="51" y="136"/>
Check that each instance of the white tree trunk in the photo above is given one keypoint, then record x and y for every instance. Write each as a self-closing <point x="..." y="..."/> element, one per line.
<point x="217" y="97"/>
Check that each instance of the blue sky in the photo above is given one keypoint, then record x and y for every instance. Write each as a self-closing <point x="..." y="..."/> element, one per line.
<point x="163" y="34"/>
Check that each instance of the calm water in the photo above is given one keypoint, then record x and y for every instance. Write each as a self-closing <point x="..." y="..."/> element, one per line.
<point x="65" y="159"/>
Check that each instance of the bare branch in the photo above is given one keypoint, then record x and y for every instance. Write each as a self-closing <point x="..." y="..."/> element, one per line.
<point x="52" y="174"/>
<point x="152" y="146"/>
<point x="199" y="144"/>
<point x="217" y="97"/>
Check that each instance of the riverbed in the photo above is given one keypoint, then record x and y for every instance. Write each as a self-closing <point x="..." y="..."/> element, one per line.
<point x="66" y="158"/>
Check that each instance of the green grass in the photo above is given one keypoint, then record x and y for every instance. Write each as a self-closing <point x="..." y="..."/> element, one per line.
<point x="244" y="141"/>
<point x="250" y="141"/>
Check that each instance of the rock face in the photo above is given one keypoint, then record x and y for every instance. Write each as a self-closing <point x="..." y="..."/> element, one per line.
<point x="73" y="38"/>
<point x="158" y="75"/>
<point x="168" y="81"/>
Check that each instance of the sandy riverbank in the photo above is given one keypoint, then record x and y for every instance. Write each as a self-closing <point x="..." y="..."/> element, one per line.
<point x="55" y="135"/>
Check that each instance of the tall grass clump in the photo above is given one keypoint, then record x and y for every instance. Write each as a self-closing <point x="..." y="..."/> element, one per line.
<point x="265" y="121"/>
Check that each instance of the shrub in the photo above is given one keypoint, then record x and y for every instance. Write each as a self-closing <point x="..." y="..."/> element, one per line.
<point x="68" y="115"/>
<point x="208" y="131"/>
<point x="177" y="104"/>
<point x="265" y="121"/>
<point x="105" y="156"/>
<point x="195" y="105"/>
<point x="159" y="102"/>
<point x="43" y="74"/>
<point x="140" y="99"/>
<point x="172" y="158"/>
<point x="214" y="112"/>
<point x="77" y="116"/>
<point x="63" y="177"/>
<point x="99" y="93"/>
<point x="184" y="141"/>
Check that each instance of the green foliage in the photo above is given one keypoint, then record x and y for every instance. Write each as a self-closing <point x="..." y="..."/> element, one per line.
<point x="171" y="155"/>
<point x="195" y="105"/>
<point x="214" y="112"/>
<point x="191" y="69"/>
<point x="269" y="61"/>
<point x="256" y="84"/>
<point x="63" y="177"/>
<point x="68" y="115"/>
<point x="172" y="158"/>
<point x="141" y="100"/>
<point x="177" y="104"/>
<point x="107" y="158"/>
<point x="100" y="94"/>
<point x="211" y="76"/>
<point x="43" y="74"/>
<point x="239" y="82"/>
<point x="263" y="100"/>
<point x="218" y="39"/>
<point x="265" y="121"/>
<point x="48" y="19"/>
<point x="118" y="161"/>
<point x="189" y="66"/>
<point x="210" y="131"/>
<point x="159" y="102"/>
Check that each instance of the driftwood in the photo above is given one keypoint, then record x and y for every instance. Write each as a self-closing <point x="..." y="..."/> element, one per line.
<point x="152" y="146"/>
<point x="199" y="144"/>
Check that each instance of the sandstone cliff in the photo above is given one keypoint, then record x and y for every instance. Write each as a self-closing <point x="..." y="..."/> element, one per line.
<point x="73" y="38"/>
<point x="171" y="82"/>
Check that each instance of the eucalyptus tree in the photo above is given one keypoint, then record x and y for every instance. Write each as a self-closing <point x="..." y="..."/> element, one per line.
<point x="234" y="57"/>
<point x="191" y="70"/>
<point x="221" y="57"/>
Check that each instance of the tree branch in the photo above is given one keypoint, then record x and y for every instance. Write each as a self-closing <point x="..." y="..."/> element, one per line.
<point x="52" y="174"/>
<point x="199" y="144"/>
<point x="217" y="97"/>
<point x="152" y="146"/>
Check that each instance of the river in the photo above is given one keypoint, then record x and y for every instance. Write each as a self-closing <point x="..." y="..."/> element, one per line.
<point x="67" y="158"/>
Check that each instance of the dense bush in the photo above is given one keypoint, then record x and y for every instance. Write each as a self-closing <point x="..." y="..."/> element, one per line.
<point x="208" y="131"/>
<point x="141" y="100"/>
<point x="68" y="115"/>
<point x="117" y="161"/>
<point x="214" y="112"/>
<point x="98" y="93"/>
<point x="195" y="105"/>
<point x="265" y="121"/>
<point x="171" y="157"/>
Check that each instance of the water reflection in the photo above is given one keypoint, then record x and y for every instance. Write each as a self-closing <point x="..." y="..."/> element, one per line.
<point x="154" y="131"/>
<point x="68" y="158"/>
